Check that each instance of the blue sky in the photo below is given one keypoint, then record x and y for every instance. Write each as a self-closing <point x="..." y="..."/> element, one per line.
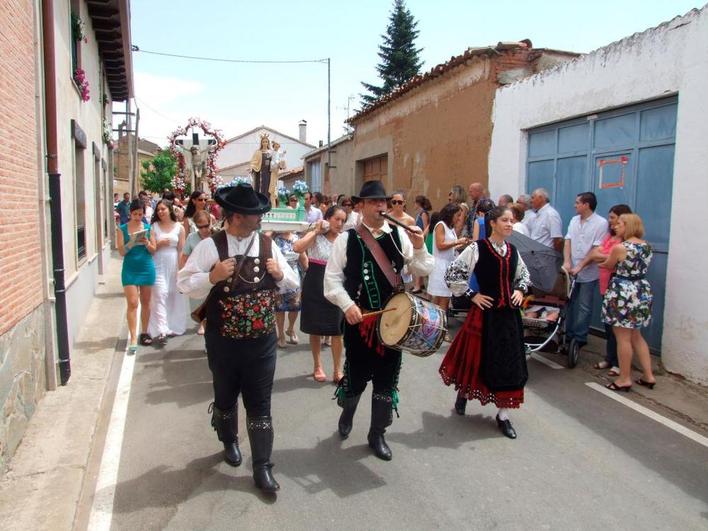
<point x="238" y="97"/>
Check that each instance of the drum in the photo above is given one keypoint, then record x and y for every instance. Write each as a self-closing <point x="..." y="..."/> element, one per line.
<point x="415" y="325"/>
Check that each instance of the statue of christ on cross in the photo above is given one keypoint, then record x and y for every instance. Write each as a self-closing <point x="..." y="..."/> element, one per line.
<point x="195" y="158"/>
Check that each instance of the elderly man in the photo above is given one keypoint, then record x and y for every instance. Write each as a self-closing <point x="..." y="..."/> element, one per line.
<point x="362" y="273"/>
<point x="524" y="201"/>
<point x="547" y="227"/>
<point x="505" y="200"/>
<point x="240" y="271"/>
<point x="585" y="232"/>
<point x="474" y="194"/>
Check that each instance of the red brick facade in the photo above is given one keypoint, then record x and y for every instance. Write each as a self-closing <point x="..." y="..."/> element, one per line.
<point x="20" y="253"/>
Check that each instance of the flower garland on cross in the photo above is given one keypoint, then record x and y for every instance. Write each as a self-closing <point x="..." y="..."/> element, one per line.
<point x="180" y="181"/>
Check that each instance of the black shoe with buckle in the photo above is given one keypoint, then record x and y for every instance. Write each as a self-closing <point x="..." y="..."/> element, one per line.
<point x="506" y="428"/>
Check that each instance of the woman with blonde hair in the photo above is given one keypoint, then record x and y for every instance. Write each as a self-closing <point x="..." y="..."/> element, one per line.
<point x="627" y="303"/>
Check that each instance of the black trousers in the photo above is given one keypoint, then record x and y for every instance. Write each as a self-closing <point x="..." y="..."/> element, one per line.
<point x="363" y="364"/>
<point x="242" y="366"/>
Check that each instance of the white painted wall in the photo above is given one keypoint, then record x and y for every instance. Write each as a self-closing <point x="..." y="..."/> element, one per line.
<point x="669" y="59"/>
<point x="241" y="149"/>
<point x="89" y="116"/>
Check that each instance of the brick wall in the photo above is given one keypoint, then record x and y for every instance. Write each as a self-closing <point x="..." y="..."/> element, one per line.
<point x="20" y="258"/>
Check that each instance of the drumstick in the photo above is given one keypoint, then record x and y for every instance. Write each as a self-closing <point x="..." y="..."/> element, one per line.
<point x="394" y="220"/>
<point x="379" y="312"/>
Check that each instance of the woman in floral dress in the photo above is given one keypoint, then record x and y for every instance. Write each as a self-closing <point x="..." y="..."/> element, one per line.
<point x="627" y="303"/>
<point x="288" y="301"/>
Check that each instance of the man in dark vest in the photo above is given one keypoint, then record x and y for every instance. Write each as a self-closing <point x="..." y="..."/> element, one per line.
<point x="240" y="270"/>
<point x="354" y="281"/>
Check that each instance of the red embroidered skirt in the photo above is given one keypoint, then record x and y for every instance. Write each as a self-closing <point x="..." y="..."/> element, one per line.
<point x="461" y="366"/>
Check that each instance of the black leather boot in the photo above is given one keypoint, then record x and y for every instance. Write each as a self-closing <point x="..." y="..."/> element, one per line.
<point x="260" y="434"/>
<point x="346" y="419"/>
<point x="226" y="425"/>
<point x="381" y="418"/>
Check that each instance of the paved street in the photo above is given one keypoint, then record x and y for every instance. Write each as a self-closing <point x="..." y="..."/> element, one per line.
<point x="582" y="460"/>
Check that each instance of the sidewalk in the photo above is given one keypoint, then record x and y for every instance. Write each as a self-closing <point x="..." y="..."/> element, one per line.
<point x="56" y="462"/>
<point x="43" y="485"/>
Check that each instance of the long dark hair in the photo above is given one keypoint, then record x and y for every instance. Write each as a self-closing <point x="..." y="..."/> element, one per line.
<point x="448" y="213"/>
<point x="191" y="207"/>
<point x="618" y="210"/>
<point x="171" y="210"/>
<point x="493" y="215"/>
<point x="331" y="211"/>
<point x="424" y="202"/>
<point x="137" y="204"/>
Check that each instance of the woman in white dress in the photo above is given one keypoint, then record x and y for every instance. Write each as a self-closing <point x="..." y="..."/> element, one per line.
<point x="168" y="307"/>
<point x="445" y="241"/>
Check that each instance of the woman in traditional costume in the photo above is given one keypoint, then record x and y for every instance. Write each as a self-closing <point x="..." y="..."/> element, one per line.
<point x="487" y="359"/>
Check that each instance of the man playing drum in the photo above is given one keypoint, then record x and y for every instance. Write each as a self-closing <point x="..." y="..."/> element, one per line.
<point x="359" y="283"/>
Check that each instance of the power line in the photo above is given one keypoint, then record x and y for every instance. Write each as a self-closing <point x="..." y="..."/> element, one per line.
<point x="224" y="60"/>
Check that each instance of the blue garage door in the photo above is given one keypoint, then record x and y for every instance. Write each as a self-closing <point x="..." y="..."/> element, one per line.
<point x="624" y="156"/>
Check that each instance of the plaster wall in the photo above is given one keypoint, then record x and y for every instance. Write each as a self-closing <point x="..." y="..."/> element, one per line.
<point x="436" y="136"/>
<point x="669" y="59"/>
<point x="241" y="149"/>
<point x="89" y="116"/>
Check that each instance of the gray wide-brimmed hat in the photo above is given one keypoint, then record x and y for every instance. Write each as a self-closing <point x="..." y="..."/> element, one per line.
<point x="242" y="199"/>
<point x="372" y="190"/>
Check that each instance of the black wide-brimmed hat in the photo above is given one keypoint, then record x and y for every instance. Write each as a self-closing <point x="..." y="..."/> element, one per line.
<point x="372" y="190"/>
<point x="242" y="199"/>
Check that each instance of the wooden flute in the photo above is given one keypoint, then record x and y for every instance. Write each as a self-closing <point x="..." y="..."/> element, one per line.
<point x="394" y="220"/>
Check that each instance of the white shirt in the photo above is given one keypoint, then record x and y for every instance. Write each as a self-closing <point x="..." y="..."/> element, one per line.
<point x="546" y="226"/>
<point x="193" y="278"/>
<point x="352" y="221"/>
<point x="529" y="218"/>
<point x="583" y="236"/>
<point x="419" y="261"/>
<point x="313" y="214"/>
<point x="520" y="227"/>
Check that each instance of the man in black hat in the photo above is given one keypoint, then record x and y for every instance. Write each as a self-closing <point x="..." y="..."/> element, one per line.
<point x="356" y="282"/>
<point x="240" y="270"/>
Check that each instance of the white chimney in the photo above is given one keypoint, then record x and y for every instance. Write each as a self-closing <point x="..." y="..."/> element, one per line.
<point x="302" y="124"/>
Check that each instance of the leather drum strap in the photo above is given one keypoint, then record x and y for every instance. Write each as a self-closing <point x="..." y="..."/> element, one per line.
<point x="380" y="256"/>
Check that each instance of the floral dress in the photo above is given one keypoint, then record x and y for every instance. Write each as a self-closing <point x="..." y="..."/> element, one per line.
<point x="628" y="299"/>
<point x="288" y="300"/>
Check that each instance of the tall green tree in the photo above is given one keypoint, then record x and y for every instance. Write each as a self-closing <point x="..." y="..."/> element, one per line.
<point x="157" y="173"/>
<point x="400" y="59"/>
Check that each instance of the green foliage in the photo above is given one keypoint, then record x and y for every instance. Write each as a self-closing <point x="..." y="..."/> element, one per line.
<point x="157" y="173"/>
<point x="400" y="59"/>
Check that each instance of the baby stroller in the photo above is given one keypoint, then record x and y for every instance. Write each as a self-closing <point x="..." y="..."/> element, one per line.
<point x="545" y="308"/>
<point x="544" y="316"/>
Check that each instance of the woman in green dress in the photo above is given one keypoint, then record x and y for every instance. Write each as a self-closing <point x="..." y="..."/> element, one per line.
<point x="138" y="273"/>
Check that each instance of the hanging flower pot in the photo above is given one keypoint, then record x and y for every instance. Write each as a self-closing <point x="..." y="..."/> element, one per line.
<point x="82" y="83"/>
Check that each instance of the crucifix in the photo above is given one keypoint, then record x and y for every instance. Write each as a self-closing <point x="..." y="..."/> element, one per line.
<point x="195" y="153"/>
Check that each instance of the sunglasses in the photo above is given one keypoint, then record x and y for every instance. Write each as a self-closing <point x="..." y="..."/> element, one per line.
<point x="203" y="226"/>
<point x="201" y="199"/>
<point x="397" y="202"/>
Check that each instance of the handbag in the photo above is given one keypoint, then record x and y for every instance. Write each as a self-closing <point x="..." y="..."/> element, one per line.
<point x="199" y="313"/>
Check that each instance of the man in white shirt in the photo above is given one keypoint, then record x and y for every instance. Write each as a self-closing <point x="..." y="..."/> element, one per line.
<point x="524" y="201"/>
<point x="546" y="227"/>
<point x="585" y="232"/>
<point x="312" y="213"/>
<point x="240" y="332"/>
<point x="356" y="283"/>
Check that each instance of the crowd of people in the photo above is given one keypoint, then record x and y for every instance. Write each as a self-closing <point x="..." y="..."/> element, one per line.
<point x="338" y="275"/>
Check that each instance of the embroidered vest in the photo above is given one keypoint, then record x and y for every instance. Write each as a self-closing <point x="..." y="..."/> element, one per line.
<point x="495" y="273"/>
<point x="363" y="279"/>
<point x="246" y="308"/>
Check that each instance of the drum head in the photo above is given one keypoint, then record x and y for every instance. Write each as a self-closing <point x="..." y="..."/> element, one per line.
<point x="394" y="324"/>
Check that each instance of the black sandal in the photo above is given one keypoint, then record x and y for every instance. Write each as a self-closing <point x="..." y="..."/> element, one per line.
<point x="612" y="386"/>
<point x="145" y="339"/>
